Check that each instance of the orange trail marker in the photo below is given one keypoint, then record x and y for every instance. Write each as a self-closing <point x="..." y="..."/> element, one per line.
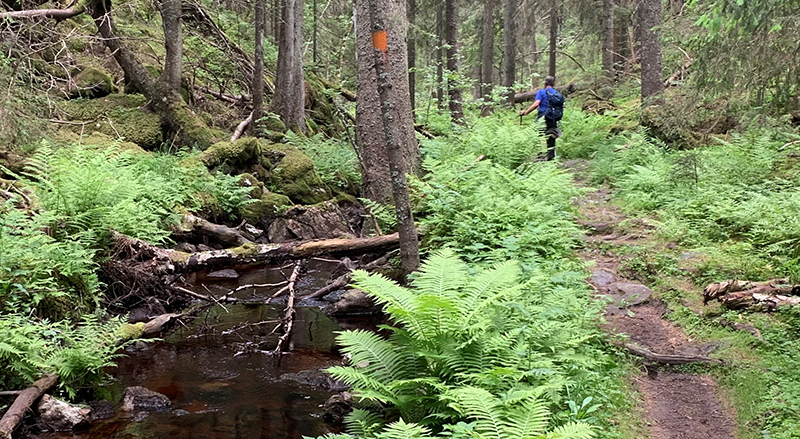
<point x="379" y="40"/>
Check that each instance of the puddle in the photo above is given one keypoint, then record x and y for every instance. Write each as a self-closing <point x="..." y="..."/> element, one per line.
<point x="225" y="384"/>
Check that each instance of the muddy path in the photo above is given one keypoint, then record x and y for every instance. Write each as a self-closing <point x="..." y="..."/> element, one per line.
<point x="676" y="405"/>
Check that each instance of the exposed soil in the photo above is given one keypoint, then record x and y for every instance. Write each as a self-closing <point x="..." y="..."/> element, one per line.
<point x="677" y="405"/>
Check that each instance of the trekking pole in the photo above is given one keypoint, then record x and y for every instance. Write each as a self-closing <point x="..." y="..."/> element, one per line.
<point x="520" y="120"/>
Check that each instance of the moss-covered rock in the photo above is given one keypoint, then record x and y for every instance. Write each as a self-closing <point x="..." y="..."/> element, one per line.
<point x="256" y="186"/>
<point x="115" y="115"/>
<point x="294" y="175"/>
<point x="267" y="207"/>
<point x="131" y="331"/>
<point x="92" y="83"/>
<point x="272" y="122"/>
<point x="231" y="157"/>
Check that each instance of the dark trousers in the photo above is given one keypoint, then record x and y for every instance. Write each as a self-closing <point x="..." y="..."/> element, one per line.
<point x="550" y="134"/>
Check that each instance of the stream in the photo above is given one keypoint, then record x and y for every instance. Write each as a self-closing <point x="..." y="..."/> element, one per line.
<point x="226" y="384"/>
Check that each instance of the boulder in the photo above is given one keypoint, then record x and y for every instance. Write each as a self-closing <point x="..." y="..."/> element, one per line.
<point x="293" y="174"/>
<point x="224" y="274"/>
<point x="138" y="398"/>
<point x="265" y="209"/>
<point x="322" y="221"/>
<point x="57" y="415"/>
<point x="230" y="157"/>
<point x="337" y="407"/>
<point x="92" y="83"/>
<point x="353" y="302"/>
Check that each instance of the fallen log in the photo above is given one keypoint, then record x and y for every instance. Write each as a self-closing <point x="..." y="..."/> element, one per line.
<point x="241" y="127"/>
<point x="23" y="403"/>
<point x="159" y="261"/>
<point x="218" y="232"/>
<point x="528" y="96"/>
<point x="667" y="359"/>
<point x="766" y="296"/>
<point x="344" y="279"/>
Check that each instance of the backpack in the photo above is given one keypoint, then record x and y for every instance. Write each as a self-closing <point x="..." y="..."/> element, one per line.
<point x="555" y="105"/>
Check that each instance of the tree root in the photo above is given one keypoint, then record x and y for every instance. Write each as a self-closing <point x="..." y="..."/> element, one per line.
<point x="667" y="359"/>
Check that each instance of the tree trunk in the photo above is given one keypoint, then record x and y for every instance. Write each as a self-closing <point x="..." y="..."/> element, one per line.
<point x="314" y="33"/>
<point x="510" y="45"/>
<point x="173" y="43"/>
<point x="649" y="18"/>
<point x="258" y="69"/>
<point x="439" y="58"/>
<point x="534" y="48"/>
<point x="553" y="36"/>
<point x="370" y="139"/>
<point x="289" y="98"/>
<point x="411" y="13"/>
<point x="451" y="36"/>
<point x="487" y="56"/>
<point x="608" y="37"/>
<point x="392" y="128"/>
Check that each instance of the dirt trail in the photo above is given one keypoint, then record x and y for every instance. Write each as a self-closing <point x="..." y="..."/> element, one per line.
<point x="677" y="405"/>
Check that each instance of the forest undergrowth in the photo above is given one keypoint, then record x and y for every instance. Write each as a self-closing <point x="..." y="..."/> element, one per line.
<point x="51" y="251"/>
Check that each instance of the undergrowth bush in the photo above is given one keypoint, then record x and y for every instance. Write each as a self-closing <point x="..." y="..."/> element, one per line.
<point x="481" y="355"/>
<point x="93" y="190"/>
<point x="335" y="160"/>
<point x="739" y="190"/>
<point x="488" y="212"/>
<point x="76" y="352"/>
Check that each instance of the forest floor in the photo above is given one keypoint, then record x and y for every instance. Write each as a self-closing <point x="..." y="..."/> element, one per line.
<point x="674" y="404"/>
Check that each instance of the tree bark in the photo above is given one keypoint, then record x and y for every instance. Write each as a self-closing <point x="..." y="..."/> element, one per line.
<point x="411" y="12"/>
<point x="173" y="43"/>
<point x="258" y="68"/>
<point x="289" y="98"/>
<point x="534" y="48"/>
<point x="23" y="403"/>
<point x="649" y="19"/>
<point x="370" y="139"/>
<point x="608" y="38"/>
<point x="487" y="56"/>
<point x="510" y="48"/>
<point x="451" y="37"/>
<point x="392" y="128"/>
<point x="553" y="36"/>
<point x="439" y="58"/>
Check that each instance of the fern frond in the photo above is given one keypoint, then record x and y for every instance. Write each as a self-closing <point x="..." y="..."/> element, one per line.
<point x="527" y="419"/>
<point x="478" y="404"/>
<point x="363" y="423"/>
<point x="573" y="430"/>
<point x="402" y="430"/>
<point x="442" y="274"/>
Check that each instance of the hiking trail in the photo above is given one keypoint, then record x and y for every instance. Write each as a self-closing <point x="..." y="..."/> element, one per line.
<point x="676" y="405"/>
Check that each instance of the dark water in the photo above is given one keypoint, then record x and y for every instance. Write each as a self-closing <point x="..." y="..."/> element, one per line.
<point x="227" y="384"/>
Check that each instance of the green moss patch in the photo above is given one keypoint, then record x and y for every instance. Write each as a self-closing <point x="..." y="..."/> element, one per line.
<point x="116" y="115"/>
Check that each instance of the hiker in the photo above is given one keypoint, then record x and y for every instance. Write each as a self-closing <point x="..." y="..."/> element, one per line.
<point x="551" y="106"/>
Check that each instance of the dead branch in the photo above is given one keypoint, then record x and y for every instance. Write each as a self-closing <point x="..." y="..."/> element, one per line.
<point x="742" y="327"/>
<point x="241" y="127"/>
<point x="23" y="403"/>
<point x="241" y="100"/>
<point x="344" y="279"/>
<point x="288" y="314"/>
<point x="425" y="133"/>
